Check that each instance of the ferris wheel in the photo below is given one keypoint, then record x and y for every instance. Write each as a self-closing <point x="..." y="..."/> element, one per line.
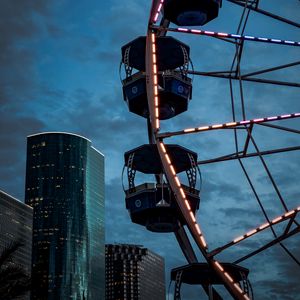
<point x="158" y="86"/>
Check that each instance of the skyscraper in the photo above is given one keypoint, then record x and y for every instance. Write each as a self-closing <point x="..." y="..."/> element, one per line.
<point x="16" y="225"/>
<point x="65" y="187"/>
<point x="133" y="273"/>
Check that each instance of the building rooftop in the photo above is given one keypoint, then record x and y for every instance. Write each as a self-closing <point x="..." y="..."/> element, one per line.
<point x="17" y="200"/>
<point x="65" y="133"/>
<point x="58" y="132"/>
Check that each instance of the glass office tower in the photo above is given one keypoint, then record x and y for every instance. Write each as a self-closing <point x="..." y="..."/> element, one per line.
<point x="65" y="187"/>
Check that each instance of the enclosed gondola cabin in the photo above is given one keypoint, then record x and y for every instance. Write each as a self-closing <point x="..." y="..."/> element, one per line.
<point x="202" y="274"/>
<point x="153" y="205"/>
<point x="174" y="86"/>
<point x="191" y="12"/>
<point x="174" y="94"/>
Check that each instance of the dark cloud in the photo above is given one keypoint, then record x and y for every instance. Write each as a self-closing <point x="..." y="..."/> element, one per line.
<point x="126" y="27"/>
<point x="59" y="72"/>
<point x="286" y="269"/>
<point x="18" y="24"/>
<point x="13" y="132"/>
<point x="55" y="31"/>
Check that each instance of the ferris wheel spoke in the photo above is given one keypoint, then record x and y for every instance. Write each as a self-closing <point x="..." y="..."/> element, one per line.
<point x="240" y="155"/>
<point x="254" y="7"/>
<point x="272" y="69"/>
<point x="249" y="76"/>
<point x="290" y="215"/>
<point x="229" y="75"/>
<point x="227" y="125"/>
<point x="230" y="36"/>
<point x="278" y="240"/>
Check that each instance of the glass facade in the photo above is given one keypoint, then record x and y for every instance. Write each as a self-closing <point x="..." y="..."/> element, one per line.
<point x="133" y="273"/>
<point x="65" y="187"/>
<point x="16" y="225"/>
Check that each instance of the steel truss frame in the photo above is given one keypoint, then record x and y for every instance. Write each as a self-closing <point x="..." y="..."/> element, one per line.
<point x="155" y="137"/>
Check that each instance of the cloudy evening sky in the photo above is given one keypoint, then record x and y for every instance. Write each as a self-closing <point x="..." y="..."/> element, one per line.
<point x="59" y="63"/>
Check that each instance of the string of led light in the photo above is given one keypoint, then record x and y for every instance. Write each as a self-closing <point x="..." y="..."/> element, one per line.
<point x="158" y="10"/>
<point x="288" y="215"/>
<point x="154" y="103"/>
<point x="155" y="81"/>
<point x="230" y="36"/>
<point x="228" y="125"/>
<point x="186" y="207"/>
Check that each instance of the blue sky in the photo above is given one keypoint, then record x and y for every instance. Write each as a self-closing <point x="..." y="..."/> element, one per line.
<point x="60" y="72"/>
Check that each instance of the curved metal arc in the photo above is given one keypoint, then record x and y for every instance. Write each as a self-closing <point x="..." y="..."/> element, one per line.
<point x="150" y="79"/>
<point x="181" y="199"/>
<point x="152" y="95"/>
<point x="153" y="11"/>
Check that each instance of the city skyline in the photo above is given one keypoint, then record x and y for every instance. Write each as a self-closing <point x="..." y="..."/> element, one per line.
<point x="60" y="73"/>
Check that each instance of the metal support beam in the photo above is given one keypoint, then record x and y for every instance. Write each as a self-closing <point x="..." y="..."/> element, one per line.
<point x="240" y="155"/>
<point x="185" y="245"/>
<point x="266" y="13"/>
<point x="290" y="215"/>
<point x="270" y="244"/>
<point x="248" y="139"/>
<point x="190" y="256"/>
<point x="272" y="69"/>
<point x="258" y="80"/>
